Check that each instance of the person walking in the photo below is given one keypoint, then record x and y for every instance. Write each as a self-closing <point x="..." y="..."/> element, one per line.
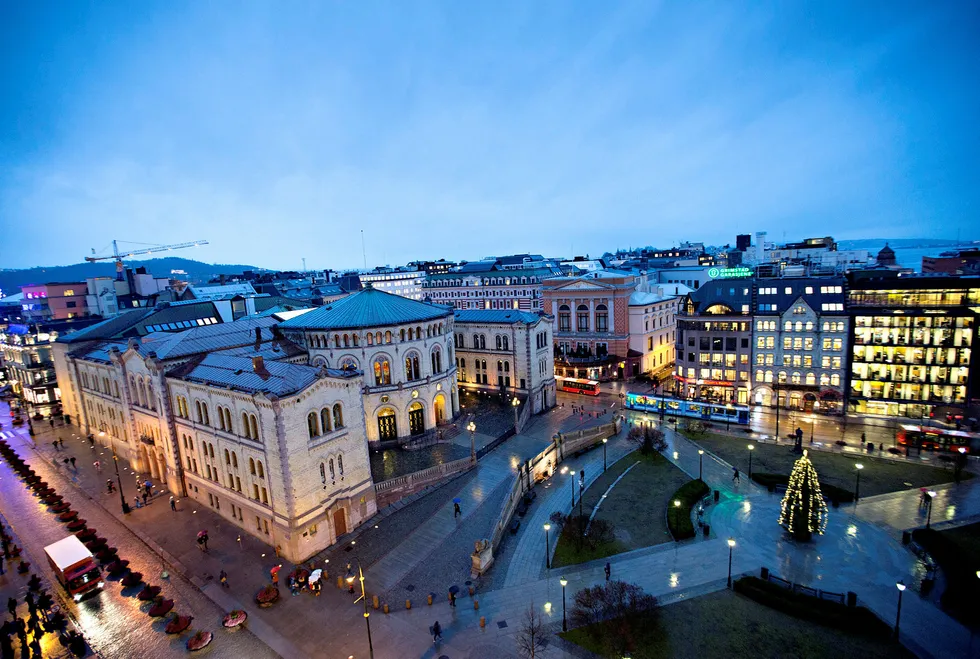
<point x="144" y="498"/>
<point x="864" y="439"/>
<point x="173" y="503"/>
<point x="98" y="466"/>
<point x="61" y="442"/>
<point x="91" y="441"/>
<point x="223" y="578"/>
<point x="73" y="463"/>
<point x="205" y="539"/>
<point x="736" y="477"/>
<point x="436" y="632"/>
<point x="109" y="486"/>
<point x="12" y="607"/>
<point x="452" y="599"/>
<point x="137" y="503"/>
<point x="457" y="511"/>
<point x="608" y="570"/>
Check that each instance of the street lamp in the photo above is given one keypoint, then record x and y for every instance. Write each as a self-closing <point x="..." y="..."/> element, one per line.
<point x="367" y="619"/>
<point x="572" y="480"/>
<point x="115" y="463"/>
<point x="813" y="422"/>
<point x="515" y="403"/>
<point x="604" y="442"/>
<point x="701" y="464"/>
<point x="751" y="448"/>
<point x="564" y="621"/>
<point x="677" y="506"/>
<point x="898" y="616"/>
<point x="472" y="428"/>
<point x="857" y="482"/>
<point x="731" y="548"/>
<point x="547" y="546"/>
<point x="932" y="495"/>
<point x="728" y="417"/>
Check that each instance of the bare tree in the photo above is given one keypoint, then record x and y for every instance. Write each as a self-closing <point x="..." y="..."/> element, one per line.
<point x="530" y="637"/>
<point x="650" y="439"/>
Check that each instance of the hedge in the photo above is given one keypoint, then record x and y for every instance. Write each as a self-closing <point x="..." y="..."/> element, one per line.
<point x="679" y="519"/>
<point x="832" y="492"/>
<point x="962" y="585"/>
<point x="806" y="607"/>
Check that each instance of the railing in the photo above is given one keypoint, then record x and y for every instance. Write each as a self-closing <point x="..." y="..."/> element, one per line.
<point x="803" y="590"/>
<point x="424" y="476"/>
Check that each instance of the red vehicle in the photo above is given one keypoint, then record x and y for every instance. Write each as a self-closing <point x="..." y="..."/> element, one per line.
<point x="938" y="439"/>
<point x="75" y="567"/>
<point x="577" y="386"/>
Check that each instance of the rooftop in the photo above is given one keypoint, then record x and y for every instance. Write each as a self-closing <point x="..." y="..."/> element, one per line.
<point x="165" y="316"/>
<point x="367" y="308"/>
<point x="240" y="374"/>
<point x="496" y="316"/>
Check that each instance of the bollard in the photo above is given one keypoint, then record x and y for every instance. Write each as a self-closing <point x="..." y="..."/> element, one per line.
<point x="430" y="599"/>
<point x="386" y="608"/>
<point x="476" y="604"/>
<point x="375" y="602"/>
<point x="340" y="583"/>
<point x="483" y="622"/>
<point x="408" y="604"/>
<point x="472" y="590"/>
<point x="717" y="495"/>
<point x="765" y="574"/>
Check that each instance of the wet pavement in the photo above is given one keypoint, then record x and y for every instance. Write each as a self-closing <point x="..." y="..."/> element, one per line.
<point x="114" y="623"/>
<point x="394" y="462"/>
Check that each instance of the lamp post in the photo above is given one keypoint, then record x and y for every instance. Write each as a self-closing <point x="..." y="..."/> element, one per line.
<point x="857" y="481"/>
<point x="564" y="621"/>
<point x="367" y="618"/>
<point x="115" y="463"/>
<point x="932" y="495"/>
<point x="775" y="387"/>
<point x="604" y="442"/>
<point x="813" y="422"/>
<point x="898" y="616"/>
<point x="515" y="403"/>
<point x="751" y="448"/>
<point x="677" y="505"/>
<point x="663" y="402"/>
<point x="572" y="480"/>
<point x="728" y="417"/>
<point x="547" y="546"/>
<point x="700" y="464"/>
<point x="472" y="428"/>
<point x="731" y="548"/>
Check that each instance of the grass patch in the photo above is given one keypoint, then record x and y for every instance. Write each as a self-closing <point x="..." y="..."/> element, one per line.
<point x="679" y="517"/>
<point x="635" y="507"/>
<point x="957" y="551"/>
<point x="725" y="624"/>
<point x="879" y="476"/>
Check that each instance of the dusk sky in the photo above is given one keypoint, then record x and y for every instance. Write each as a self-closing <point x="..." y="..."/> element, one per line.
<point x="279" y="130"/>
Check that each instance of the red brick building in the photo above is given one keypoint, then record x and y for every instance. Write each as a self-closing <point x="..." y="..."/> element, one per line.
<point x="591" y="332"/>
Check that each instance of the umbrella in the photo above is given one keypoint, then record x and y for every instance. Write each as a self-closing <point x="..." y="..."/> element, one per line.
<point x="454" y="589"/>
<point x="275" y="570"/>
<point x="201" y="534"/>
<point x="457" y="500"/>
<point x="315" y="575"/>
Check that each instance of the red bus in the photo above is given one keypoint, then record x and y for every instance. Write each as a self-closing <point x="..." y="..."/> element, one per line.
<point x="938" y="439"/>
<point x="577" y="386"/>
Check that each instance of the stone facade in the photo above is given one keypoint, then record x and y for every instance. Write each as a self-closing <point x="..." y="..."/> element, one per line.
<point x="652" y="326"/>
<point x="507" y="351"/>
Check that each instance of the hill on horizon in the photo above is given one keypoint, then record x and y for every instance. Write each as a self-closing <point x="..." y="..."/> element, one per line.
<point x="197" y="271"/>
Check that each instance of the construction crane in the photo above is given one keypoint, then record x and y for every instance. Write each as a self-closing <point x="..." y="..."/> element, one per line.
<point x="118" y="256"/>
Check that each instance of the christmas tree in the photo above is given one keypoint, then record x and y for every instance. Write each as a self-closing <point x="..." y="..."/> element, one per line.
<point x="804" y="511"/>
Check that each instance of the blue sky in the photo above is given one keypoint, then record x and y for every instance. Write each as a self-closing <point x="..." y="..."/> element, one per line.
<point x="278" y="131"/>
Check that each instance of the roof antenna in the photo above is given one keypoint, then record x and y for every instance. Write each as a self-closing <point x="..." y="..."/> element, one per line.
<point x="363" y="250"/>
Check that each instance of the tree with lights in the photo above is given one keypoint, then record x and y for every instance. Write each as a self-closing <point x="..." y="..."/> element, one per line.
<point x="804" y="512"/>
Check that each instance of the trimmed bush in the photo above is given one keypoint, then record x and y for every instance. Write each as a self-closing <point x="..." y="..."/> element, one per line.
<point x="679" y="519"/>
<point x="832" y="492"/>
<point x="858" y="620"/>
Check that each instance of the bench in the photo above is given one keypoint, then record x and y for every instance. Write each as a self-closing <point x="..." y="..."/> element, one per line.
<point x="522" y="508"/>
<point x="514" y="525"/>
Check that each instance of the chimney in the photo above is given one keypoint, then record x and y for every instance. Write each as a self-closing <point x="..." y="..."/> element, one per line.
<point x="258" y="335"/>
<point x="258" y="364"/>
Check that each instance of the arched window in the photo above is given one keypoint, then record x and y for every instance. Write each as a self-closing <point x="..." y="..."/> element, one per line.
<point x="142" y="394"/>
<point x="323" y="473"/>
<point x="782" y="377"/>
<point x="251" y="466"/>
<point x="824" y="379"/>
<point x="564" y="318"/>
<point x="312" y="424"/>
<point x="325" y="419"/>
<point x="246" y="431"/>
<point x="411" y="334"/>
<point x="197" y="409"/>
<point x="338" y="416"/>
<point x="826" y="326"/>
<point x="253" y="422"/>
<point x="811" y="379"/>
<point x="333" y="474"/>
<point x="835" y="380"/>
<point x="412" y="367"/>
<point x="799" y="326"/>
<point x="336" y="340"/>
<point x="211" y="450"/>
<point x="353" y="339"/>
<point x="227" y="457"/>
<point x="402" y="335"/>
<point x="582" y="318"/>
<point x="795" y="378"/>
<point x="500" y="366"/>
<point x="506" y="367"/>
<point x="230" y="428"/>
<point x="387" y="336"/>
<point x="601" y="318"/>
<point x="234" y="460"/>
<point x="261" y="470"/>
<point x="788" y="326"/>
<point x="499" y="346"/>
<point x="377" y="338"/>
<point x="382" y="371"/>
<point x="346" y="341"/>
<point x="204" y="410"/>
<point x="506" y="343"/>
<point x="436" y="360"/>
<point x="340" y="466"/>
<point x="370" y="339"/>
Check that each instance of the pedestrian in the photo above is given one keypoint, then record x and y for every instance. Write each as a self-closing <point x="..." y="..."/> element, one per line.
<point x="456" y="510"/>
<point x="223" y="578"/>
<point x="52" y="421"/>
<point x="436" y="632"/>
<point x="205" y="538"/>
<point x="864" y="439"/>
<point x="736" y="477"/>
<point x="173" y="503"/>
<point x="55" y="444"/>
<point x="73" y="463"/>
<point x="61" y="442"/>
<point x="200" y="542"/>
<point x="65" y="461"/>
<point x="275" y="575"/>
<point x="12" y="607"/>
<point x="608" y="570"/>
<point x="145" y="494"/>
<point x="98" y="466"/>
<point x="137" y="503"/>
<point x="452" y="599"/>
<point x="108" y="486"/>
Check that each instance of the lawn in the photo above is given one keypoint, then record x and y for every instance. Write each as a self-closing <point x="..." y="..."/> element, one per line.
<point x="635" y="507"/>
<point x="957" y="551"/>
<point x="879" y="475"/>
<point x="724" y="624"/>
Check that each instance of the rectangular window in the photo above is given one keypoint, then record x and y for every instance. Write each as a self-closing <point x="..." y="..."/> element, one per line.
<point x="798" y="343"/>
<point x="787" y="343"/>
<point x="808" y="343"/>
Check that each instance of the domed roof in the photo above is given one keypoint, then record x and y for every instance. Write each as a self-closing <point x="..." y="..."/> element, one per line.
<point x="886" y="256"/>
<point x="367" y="308"/>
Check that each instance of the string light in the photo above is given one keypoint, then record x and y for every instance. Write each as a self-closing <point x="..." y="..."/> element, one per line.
<point x="803" y="511"/>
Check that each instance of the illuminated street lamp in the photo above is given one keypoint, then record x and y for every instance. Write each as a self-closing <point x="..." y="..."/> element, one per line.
<point x="857" y="482"/>
<point x="472" y="428"/>
<point x="115" y="463"/>
<point x="564" y="621"/>
<point x="932" y="495"/>
<point x="604" y="441"/>
<point x="572" y="480"/>
<point x="677" y="506"/>
<point x="547" y="546"/>
<point x="701" y="464"/>
<point x="367" y="619"/>
<point x="731" y="548"/>
<point x="515" y="403"/>
<point x="898" y="616"/>
<point x="751" y="448"/>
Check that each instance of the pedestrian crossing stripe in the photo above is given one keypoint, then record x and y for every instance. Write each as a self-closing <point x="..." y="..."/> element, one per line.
<point x="7" y="435"/>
